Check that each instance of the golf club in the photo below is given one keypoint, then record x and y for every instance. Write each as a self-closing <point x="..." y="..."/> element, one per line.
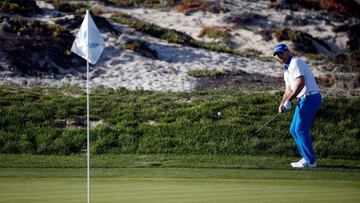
<point x="267" y="123"/>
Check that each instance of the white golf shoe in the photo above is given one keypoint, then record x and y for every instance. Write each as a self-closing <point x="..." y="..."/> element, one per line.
<point x="299" y="162"/>
<point x="302" y="164"/>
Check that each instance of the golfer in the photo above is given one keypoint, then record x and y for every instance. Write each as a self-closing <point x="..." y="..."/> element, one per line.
<point x="300" y="83"/>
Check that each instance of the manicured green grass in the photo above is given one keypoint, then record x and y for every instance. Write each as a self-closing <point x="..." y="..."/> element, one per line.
<point x="175" y="178"/>
<point x="167" y="161"/>
<point x="206" y="173"/>
<point x="177" y="190"/>
<point x="173" y="166"/>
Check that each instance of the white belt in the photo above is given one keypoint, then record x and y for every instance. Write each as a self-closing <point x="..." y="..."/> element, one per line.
<point x="309" y="93"/>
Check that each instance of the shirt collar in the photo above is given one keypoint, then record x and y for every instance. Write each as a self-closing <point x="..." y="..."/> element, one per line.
<point x="286" y="66"/>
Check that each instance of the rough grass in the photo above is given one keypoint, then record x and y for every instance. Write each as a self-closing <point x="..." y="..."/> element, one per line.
<point x="146" y="122"/>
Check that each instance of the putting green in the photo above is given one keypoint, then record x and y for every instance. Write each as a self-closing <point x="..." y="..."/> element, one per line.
<point x="156" y="190"/>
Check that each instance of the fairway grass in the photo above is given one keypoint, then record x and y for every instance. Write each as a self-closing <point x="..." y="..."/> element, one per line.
<point x="157" y="190"/>
<point x="203" y="173"/>
<point x="175" y="178"/>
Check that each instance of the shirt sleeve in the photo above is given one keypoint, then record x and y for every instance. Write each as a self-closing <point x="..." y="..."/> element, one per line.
<point x="298" y="69"/>
<point x="287" y="83"/>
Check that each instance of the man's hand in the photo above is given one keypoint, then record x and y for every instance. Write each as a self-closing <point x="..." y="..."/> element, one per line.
<point x="286" y="106"/>
<point x="281" y="108"/>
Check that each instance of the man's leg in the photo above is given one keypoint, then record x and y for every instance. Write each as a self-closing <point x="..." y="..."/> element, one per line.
<point x="307" y="111"/>
<point x="293" y="129"/>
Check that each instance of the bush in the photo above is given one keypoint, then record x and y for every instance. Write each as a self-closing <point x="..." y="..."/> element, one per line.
<point x="304" y="42"/>
<point x="27" y="143"/>
<point x="9" y="142"/>
<point x="176" y="123"/>
<point x="22" y="7"/>
<point x="140" y="47"/>
<point x="45" y="136"/>
<point x="72" y="141"/>
<point x="205" y="73"/>
<point x="188" y="6"/>
<point x="344" y="7"/>
<point x="216" y="32"/>
<point x="128" y="3"/>
<point x="36" y="48"/>
<point x="103" y="139"/>
<point x="78" y="8"/>
<point x="245" y="19"/>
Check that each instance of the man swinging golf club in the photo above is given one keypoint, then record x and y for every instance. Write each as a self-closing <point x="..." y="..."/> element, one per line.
<point x="300" y="83"/>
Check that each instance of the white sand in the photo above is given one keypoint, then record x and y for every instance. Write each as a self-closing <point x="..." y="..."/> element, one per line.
<point x="122" y="68"/>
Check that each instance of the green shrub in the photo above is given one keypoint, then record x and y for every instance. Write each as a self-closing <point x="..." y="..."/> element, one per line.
<point x="71" y="141"/>
<point x="9" y="142"/>
<point x="205" y="73"/>
<point x="45" y="136"/>
<point x="176" y="123"/>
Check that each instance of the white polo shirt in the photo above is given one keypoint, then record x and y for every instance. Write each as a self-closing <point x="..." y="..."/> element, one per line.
<point x="297" y="68"/>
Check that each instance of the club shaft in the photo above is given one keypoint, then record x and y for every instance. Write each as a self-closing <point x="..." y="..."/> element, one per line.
<point x="267" y="122"/>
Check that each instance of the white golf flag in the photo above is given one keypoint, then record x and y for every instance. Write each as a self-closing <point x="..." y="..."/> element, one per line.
<point x="88" y="37"/>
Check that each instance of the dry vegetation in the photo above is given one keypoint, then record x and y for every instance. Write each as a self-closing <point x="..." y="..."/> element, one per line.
<point x="22" y="7"/>
<point x="34" y="47"/>
<point x="140" y="47"/>
<point x="215" y="32"/>
<point x="245" y="19"/>
<point x="304" y="42"/>
<point x="345" y="7"/>
<point x="189" y="6"/>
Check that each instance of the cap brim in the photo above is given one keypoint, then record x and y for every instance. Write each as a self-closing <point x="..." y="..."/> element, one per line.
<point x="278" y="52"/>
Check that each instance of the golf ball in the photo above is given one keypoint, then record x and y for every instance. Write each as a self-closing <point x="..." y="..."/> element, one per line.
<point x="219" y="113"/>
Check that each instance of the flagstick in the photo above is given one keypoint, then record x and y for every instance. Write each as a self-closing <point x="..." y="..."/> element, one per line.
<point x="88" y="132"/>
<point x="88" y="119"/>
<point x="82" y="42"/>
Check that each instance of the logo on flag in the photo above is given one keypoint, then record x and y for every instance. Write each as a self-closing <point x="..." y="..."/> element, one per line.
<point x="88" y="43"/>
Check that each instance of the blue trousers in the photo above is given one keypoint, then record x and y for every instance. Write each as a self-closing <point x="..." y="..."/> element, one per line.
<point x="301" y="123"/>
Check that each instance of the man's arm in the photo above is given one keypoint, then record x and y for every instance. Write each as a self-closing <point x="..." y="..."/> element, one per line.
<point x="299" y="85"/>
<point x="286" y="96"/>
<point x="289" y="95"/>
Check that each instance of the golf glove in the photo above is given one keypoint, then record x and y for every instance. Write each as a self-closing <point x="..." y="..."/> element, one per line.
<point x="287" y="105"/>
